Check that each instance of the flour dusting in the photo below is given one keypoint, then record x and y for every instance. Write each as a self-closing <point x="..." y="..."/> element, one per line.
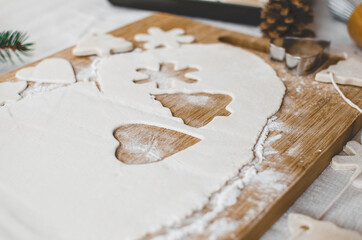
<point x="221" y="227"/>
<point x="292" y="151"/>
<point x="88" y="73"/>
<point x="259" y="146"/>
<point x="149" y="151"/>
<point x="162" y="79"/>
<point x="274" y="138"/>
<point x="197" y="100"/>
<point x="37" y="88"/>
<point x="272" y="177"/>
<point x="201" y="223"/>
<point x="270" y="183"/>
<point x="84" y="74"/>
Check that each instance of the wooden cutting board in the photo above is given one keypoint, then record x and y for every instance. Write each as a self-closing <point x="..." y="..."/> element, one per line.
<point x="314" y="124"/>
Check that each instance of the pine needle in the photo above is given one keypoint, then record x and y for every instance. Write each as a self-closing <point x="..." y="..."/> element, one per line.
<point x="14" y="42"/>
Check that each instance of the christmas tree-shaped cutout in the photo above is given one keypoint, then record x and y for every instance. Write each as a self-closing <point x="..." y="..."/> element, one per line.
<point x="196" y="109"/>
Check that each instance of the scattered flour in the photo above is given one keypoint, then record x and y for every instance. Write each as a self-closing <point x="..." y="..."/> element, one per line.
<point x="270" y="151"/>
<point x="137" y="50"/>
<point x="259" y="146"/>
<point x="270" y="180"/>
<point x="298" y="89"/>
<point x="270" y="184"/>
<point x="274" y="138"/>
<point x="199" y="223"/>
<point x="88" y="73"/>
<point x="221" y="227"/>
<point x="292" y="151"/>
<point x="85" y="74"/>
<point x="197" y="100"/>
<point x="150" y="151"/>
<point x="162" y="79"/>
<point x="40" y="88"/>
<point x="273" y="178"/>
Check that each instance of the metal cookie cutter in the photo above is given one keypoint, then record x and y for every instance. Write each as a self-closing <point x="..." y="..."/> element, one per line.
<point x="301" y="55"/>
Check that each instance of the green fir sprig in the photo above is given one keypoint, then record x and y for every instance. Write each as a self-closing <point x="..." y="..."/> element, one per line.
<point x="14" y="42"/>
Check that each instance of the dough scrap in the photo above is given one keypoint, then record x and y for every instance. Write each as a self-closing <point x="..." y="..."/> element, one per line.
<point x="347" y="72"/>
<point x="156" y="37"/>
<point x="101" y="45"/>
<point x="303" y="227"/>
<point x="9" y="91"/>
<point x="51" y="70"/>
<point x="58" y="159"/>
<point x="352" y="162"/>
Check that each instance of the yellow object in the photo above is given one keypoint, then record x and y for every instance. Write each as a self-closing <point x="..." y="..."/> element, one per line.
<point x="354" y="25"/>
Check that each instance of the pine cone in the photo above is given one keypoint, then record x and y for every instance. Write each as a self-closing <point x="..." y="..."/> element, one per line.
<point x="281" y="18"/>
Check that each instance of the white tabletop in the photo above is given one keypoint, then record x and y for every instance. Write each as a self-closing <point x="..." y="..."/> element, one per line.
<point x="57" y="24"/>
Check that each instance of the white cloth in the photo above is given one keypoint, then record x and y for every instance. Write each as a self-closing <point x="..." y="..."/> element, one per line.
<point x="58" y="24"/>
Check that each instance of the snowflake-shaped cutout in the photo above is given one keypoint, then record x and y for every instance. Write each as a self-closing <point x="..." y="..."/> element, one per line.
<point x="352" y="162"/>
<point x="156" y="37"/>
<point x="167" y="75"/>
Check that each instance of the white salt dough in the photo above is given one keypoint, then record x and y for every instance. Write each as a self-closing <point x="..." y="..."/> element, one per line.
<point x="9" y="91"/>
<point x="156" y="37"/>
<point x="352" y="162"/>
<point x="101" y="45"/>
<point x="348" y="72"/>
<point x="51" y="70"/>
<point x="58" y="170"/>
<point x="303" y="227"/>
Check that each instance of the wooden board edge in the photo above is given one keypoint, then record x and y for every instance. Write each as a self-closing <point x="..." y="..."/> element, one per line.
<point x="276" y="210"/>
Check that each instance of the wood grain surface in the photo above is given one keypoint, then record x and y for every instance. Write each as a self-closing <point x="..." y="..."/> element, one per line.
<point x="143" y="144"/>
<point x="314" y="122"/>
<point x="195" y="115"/>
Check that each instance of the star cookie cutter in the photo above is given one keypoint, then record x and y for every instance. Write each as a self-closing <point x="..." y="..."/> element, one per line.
<point x="301" y="55"/>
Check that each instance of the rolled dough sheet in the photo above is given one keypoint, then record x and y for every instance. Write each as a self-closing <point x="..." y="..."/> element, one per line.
<point x="60" y="179"/>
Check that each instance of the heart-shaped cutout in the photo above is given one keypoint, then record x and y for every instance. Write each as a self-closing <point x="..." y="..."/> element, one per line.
<point x="142" y="144"/>
<point x="51" y="70"/>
